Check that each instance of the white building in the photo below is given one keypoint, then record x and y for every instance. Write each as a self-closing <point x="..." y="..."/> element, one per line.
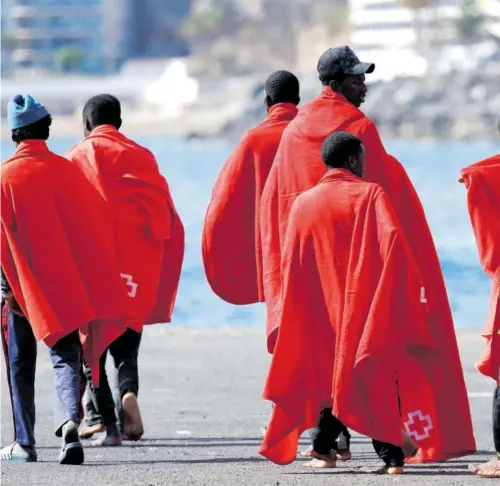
<point x="402" y="41"/>
<point x="492" y="9"/>
<point x="379" y="24"/>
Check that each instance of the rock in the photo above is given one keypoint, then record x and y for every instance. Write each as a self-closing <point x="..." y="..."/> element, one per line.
<point x="457" y="106"/>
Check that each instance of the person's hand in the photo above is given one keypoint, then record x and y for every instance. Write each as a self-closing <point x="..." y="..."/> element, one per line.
<point x="461" y="180"/>
<point x="12" y="305"/>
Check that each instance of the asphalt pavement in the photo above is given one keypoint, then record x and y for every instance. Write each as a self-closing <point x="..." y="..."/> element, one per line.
<point x="200" y="399"/>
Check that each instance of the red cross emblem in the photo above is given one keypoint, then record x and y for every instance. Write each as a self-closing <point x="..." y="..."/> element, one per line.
<point x="419" y="425"/>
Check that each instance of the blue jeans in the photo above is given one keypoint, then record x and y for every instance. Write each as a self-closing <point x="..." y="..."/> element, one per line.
<point x="22" y="366"/>
<point x="496" y="419"/>
<point x="66" y="356"/>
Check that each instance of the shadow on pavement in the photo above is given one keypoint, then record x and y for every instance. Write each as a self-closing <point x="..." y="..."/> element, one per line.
<point x="221" y="460"/>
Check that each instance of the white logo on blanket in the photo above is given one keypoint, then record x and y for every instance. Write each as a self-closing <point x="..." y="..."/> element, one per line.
<point x="423" y="298"/>
<point x="419" y="425"/>
<point x="130" y="283"/>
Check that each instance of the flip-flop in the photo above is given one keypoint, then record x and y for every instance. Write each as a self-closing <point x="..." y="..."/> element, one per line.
<point x="71" y="453"/>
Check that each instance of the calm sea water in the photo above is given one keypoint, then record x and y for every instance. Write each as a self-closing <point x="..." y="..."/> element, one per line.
<point x="191" y="168"/>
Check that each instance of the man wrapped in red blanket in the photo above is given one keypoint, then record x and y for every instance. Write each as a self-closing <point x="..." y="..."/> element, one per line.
<point x="149" y="238"/>
<point x="354" y="346"/>
<point x="298" y="167"/>
<point x="231" y="246"/>
<point x="482" y="181"/>
<point x="62" y="281"/>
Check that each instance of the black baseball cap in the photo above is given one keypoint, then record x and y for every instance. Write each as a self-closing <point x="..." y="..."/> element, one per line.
<point x="342" y="60"/>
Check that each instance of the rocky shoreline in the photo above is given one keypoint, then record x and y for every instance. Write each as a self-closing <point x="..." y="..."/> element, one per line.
<point x="457" y="106"/>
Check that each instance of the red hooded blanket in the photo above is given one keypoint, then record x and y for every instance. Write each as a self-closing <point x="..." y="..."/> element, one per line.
<point x="58" y="253"/>
<point x="353" y="326"/>
<point x="231" y="247"/>
<point x="483" y="199"/>
<point x="297" y="168"/>
<point x="149" y="232"/>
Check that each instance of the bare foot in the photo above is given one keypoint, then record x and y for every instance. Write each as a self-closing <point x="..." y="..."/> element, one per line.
<point x="108" y="441"/>
<point x="340" y="455"/>
<point x="321" y="461"/>
<point x="344" y="455"/>
<point x="490" y="469"/>
<point x="306" y="453"/>
<point x="132" y="421"/>
<point x="410" y="447"/>
<point x="390" y="470"/>
<point x="88" y="432"/>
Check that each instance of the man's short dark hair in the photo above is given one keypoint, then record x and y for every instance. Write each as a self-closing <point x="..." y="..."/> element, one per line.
<point x="39" y="130"/>
<point x="283" y="87"/>
<point x="338" y="147"/>
<point x="103" y="109"/>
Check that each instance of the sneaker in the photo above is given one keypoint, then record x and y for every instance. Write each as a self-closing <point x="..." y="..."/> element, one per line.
<point x="71" y="449"/>
<point x="19" y="453"/>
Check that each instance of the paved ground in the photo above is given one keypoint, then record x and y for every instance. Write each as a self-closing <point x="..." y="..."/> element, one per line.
<point x="200" y="400"/>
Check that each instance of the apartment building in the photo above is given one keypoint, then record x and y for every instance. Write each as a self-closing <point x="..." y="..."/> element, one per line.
<point x="387" y="24"/>
<point x="105" y="33"/>
<point x="492" y="9"/>
<point x="403" y="41"/>
<point x="36" y="30"/>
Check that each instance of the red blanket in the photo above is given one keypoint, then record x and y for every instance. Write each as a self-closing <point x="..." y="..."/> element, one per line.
<point x="58" y="253"/>
<point x="231" y="246"/>
<point x="353" y="325"/>
<point x="149" y="232"/>
<point x="483" y="199"/>
<point x="297" y="168"/>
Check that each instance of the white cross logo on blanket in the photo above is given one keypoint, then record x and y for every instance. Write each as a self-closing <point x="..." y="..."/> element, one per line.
<point x="423" y="298"/>
<point x="419" y="425"/>
<point x="130" y="283"/>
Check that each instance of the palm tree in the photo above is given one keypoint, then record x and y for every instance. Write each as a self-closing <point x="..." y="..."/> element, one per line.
<point x="69" y="58"/>
<point x="417" y="6"/>
<point x="470" y="22"/>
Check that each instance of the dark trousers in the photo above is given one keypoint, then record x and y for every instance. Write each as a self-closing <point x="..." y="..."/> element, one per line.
<point x="99" y="403"/>
<point x="342" y="441"/>
<point x="329" y="429"/>
<point x="66" y="357"/>
<point x="496" y="419"/>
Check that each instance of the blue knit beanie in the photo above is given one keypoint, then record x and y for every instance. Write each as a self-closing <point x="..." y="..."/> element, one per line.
<point x="23" y="110"/>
